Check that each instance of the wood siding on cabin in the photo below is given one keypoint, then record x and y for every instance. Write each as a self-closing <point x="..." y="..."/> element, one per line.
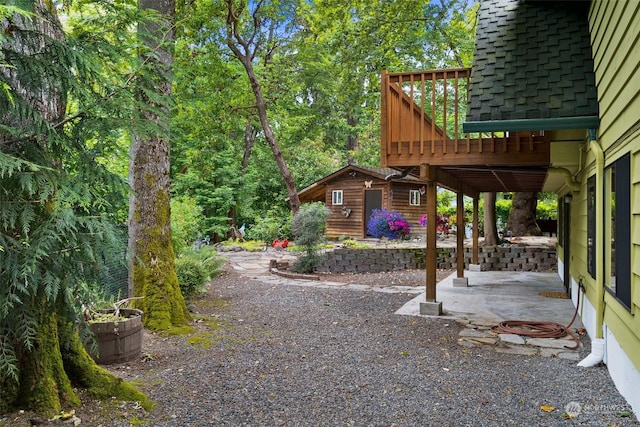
<point x="353" y="198"/>
<point x="352" y="193"/>
<point x="615" y="35"/>
<point x="412" y="214"/>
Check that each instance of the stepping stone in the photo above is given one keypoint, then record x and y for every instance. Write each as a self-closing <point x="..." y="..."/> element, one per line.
<point x="474" y="333"/>
<point x="521" y="350"/>
<point x="466" y="343"/>
<point x="512" y="339"/>
<point x="554" y="352"/>
<point x="490" y="341"/>
<point x="484" y="323"/>
<point x="551" y="342"/>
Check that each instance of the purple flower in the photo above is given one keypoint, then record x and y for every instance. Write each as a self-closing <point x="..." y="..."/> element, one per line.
<point x="389" y="224"/>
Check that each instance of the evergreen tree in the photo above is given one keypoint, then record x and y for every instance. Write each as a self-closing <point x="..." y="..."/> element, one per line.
<point x="54" y="226"/>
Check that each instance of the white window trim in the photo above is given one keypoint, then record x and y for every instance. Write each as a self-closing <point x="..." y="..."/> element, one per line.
<point x="414" y="197"/>
<point x="336" y="197"/>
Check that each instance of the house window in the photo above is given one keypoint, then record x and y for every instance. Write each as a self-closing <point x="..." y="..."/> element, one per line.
<point x="414" y="197"/>
<point x="617" y="229"/>
<point x="591" y="226"/>
<point x="336" y="197"/>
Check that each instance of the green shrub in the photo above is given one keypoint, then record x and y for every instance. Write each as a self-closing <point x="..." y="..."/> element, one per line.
<point x="275" y="224"/>
<point x="503" y="207"/>
<point x="307" y="263"/>
<point x="308" y="227"/>
<point x="196" y="268"/>
<point x="191" y="276"/>
<point x="186" y="222"/>
<point x="353" y="244"/>
<point x="547" y="210"/>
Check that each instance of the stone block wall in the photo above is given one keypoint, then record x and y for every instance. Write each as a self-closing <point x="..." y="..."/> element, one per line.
<point x="490" y="258"/>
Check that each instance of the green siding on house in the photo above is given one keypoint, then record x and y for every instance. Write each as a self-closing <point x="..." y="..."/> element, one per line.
<point x="615" y="35"/>
<point x="579" y="238"/>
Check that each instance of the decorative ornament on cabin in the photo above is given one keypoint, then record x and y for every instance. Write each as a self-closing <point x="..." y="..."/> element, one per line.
<point x="346" y="211"/>
<point x="423" y="190"/>
<point x="367" y="184"/>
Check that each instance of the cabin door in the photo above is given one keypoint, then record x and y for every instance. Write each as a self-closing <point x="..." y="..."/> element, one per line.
<point x="372" y="200"/>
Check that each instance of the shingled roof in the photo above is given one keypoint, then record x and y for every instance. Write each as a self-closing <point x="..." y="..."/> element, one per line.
<point x="532" y="61"/>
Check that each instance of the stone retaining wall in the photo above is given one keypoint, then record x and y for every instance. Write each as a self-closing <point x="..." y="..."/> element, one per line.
<point x="490" y="258"/>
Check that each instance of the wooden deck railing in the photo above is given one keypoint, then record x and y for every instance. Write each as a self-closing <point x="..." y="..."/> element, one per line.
<point x="421" y="123"/>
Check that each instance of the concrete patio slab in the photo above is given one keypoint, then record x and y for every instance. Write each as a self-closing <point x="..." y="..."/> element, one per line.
<point x="496" y="296"/>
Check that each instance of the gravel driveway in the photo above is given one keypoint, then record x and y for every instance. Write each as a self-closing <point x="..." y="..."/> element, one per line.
<point x="269" y="354"/>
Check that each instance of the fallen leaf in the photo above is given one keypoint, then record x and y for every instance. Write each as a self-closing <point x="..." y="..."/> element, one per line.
<point x="547" y="408"/>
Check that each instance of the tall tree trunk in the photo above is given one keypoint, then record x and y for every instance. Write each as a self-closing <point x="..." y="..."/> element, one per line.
<point x="48" y="363"/>
<point x="490" y="229"/>
<point x="289" y="182"/>
<point x="152" y="264"/>
<point x="235" y="41"/>
<point x="250" y="134"/>
<point x="353" y="141"/>
<point x="522" y="218"/>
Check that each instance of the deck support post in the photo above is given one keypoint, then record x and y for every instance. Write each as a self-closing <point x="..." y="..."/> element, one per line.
<point x="460" y="280"/>
<point x="431" y="306"/>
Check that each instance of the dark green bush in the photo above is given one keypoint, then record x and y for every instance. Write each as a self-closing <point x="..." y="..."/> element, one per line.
<point x="208" y="258"/>
<point x="307" y="263"/>
<point x="275" y="224"/>
<point x="191" y="276"/>
<point x="308" y="227"/>
<point x="196" y="268"/>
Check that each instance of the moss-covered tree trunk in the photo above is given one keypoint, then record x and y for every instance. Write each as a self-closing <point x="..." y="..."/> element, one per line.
<point x="44" y="384"/>
<point x="58" y="362"/>
<point x="41" y="356"/>
<point x="153" y="273"/>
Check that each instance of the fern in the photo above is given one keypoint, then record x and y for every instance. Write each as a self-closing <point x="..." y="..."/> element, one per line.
<point x="8" y="359"/>
<point x="65" y="103"/>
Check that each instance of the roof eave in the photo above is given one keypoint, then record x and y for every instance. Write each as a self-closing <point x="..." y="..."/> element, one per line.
<point x="558" y="123"/>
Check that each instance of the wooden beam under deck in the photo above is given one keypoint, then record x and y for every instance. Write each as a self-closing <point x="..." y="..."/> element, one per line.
<point x="479" y="153"/>
<point x="445" y="180"/>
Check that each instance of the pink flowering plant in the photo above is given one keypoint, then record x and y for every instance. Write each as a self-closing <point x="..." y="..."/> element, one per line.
<point x="442" y="222"/>
<point x="389" y="224"/>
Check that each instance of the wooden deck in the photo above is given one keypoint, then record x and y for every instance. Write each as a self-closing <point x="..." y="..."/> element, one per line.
<point x="421" y="124"/>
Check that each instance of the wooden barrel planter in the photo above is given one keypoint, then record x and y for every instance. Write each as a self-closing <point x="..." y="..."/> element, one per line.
<point x="119" y="339"/>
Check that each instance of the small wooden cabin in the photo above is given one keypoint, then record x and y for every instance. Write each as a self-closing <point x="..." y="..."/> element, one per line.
<point x="352" y="193"/>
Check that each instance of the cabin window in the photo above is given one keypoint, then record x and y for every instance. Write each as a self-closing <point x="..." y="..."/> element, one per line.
<point x="617" y="210"/>
<point x="336" y="197"/>
<point x="591" y="226"/>
<point x="414" y="197"/>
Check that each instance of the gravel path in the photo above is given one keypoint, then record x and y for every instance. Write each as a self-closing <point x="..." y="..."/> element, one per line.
<point x="269" y="354"/>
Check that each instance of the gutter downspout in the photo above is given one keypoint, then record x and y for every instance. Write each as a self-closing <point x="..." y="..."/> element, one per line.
<point x="399" y="175"/>
<point x="598" y="344"/>
<point x="568" y="177"/>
